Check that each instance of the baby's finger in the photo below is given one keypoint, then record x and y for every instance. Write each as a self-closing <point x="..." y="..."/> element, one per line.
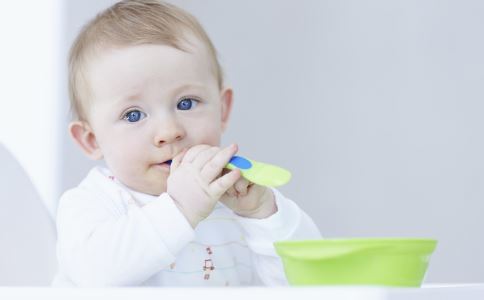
<point x="175" y="162"/>
<point x="231" y="192"/>
<point x="215" y="166"/>
<point x="193" y="152"/>
<point x="204" y="156"/>
<point x="218" y="187"/>
<point x="241" y="186"/>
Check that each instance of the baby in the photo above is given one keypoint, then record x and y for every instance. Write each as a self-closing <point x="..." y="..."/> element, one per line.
<point x="146" y="88"/>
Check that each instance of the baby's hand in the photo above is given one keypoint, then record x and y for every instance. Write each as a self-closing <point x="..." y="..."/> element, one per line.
<point x="249" y="200"/>
<point x="194" y="182"/>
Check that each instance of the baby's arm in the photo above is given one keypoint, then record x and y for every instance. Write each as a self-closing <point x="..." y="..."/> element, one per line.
<point x="288" y="223"/>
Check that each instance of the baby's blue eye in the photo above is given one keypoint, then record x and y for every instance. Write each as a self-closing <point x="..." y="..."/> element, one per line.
<point x="187" y="104"/>
<point x="134" y="116"/>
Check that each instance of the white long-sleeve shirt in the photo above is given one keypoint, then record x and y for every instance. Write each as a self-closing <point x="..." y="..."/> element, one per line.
<point x="109" y="235"/>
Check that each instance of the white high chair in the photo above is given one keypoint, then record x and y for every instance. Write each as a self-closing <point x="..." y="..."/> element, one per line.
<point x="27" y="232"/>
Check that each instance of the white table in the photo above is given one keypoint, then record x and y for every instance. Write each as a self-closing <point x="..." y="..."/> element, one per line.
<point x="429" y="292"/>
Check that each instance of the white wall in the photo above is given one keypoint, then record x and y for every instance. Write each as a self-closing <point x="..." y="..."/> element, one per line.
<point x="374" y="105"/>
<point x="29" y="90"/>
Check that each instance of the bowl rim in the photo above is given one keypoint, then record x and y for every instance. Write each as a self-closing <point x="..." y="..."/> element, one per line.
<point x="358" y="240"/>
<point x="340" y="247"/>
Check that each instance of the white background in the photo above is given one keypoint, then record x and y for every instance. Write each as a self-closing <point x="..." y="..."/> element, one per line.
<point x="375" y="107"/>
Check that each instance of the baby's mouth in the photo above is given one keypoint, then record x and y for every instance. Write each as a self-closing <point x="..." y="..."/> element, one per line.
<point x="165" y="163"/>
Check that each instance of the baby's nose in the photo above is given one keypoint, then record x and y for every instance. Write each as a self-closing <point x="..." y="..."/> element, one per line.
<point x="168" y="133"/>
<point x="167" y="138"/>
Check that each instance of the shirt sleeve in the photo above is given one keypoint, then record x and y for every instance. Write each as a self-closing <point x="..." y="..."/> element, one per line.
<point x="103" y="245"/>
<point x="288" y="223"/>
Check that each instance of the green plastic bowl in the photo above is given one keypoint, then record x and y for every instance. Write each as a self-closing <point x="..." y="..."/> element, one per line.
<point x="360" y="261"/>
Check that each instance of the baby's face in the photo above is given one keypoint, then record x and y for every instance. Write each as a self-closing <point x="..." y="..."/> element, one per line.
<point x="147" y="103"/>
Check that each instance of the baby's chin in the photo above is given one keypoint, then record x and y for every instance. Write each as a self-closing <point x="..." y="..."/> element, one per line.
<point x="151" y="183"/>
<point x="153" y="189"/>
<point x="156" y="192"/>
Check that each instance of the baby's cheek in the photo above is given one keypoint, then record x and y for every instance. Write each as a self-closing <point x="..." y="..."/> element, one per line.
<point x="209" y="136"/>
<point x="125" y="159"/>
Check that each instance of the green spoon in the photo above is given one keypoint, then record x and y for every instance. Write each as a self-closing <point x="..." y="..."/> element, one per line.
<point x="258" y="172"/>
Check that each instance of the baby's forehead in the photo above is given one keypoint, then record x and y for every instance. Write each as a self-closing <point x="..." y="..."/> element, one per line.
<point x="188" y="43"/>
<point x="131" y="69"/>
<point x="192" y="52"/>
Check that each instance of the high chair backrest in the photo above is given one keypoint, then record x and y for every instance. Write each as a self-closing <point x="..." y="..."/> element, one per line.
<point x="27" y="232"/>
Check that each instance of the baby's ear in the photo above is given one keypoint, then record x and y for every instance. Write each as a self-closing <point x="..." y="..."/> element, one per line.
<point x="226" y="98"/>
<point x="84" y="137"/>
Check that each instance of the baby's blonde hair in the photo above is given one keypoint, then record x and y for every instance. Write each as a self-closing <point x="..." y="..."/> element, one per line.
<point x="129" y="23"/>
